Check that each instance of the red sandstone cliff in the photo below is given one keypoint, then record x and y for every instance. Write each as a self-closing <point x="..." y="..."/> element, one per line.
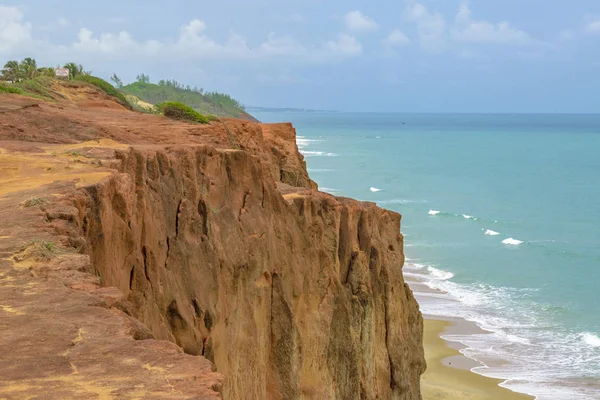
<point x="210" y="237"/>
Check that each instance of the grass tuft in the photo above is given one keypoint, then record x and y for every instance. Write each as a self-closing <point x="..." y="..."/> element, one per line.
<point x="34" y="201"/>
<point x="9" y="89"/>
<point x="39" y="250"/>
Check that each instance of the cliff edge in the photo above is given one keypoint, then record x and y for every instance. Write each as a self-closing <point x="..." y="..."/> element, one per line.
<point x="147" y="258"/>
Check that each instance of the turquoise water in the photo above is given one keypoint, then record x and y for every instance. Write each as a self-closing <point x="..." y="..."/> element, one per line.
<point x="501" y="213"/>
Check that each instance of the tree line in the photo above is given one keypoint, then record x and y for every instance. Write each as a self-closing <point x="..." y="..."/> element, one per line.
<point x="18" y="71"/>
<point x="166" y="90"/>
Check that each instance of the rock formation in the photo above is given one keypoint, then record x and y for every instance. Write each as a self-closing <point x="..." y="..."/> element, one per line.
<point x="168" y="260"/>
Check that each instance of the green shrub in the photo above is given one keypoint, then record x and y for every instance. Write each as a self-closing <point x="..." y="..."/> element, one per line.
<point x="180" y="111"/>
<point x="105" y="87"/>
<point x="10" y="89"/>
<point x="38" y="87"/>
<point x="212" y="118"/>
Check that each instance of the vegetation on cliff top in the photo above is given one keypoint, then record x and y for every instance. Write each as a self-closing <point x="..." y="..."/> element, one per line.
<point x="207" y="103"/>
<point x="26" y="78"/>
<point x="179" y="111"/>
<point x="105" y="87"/>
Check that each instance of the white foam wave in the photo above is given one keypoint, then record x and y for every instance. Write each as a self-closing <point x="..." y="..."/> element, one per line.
<point x="374" y="189"/>
<point x="490" y="232"/>
<point x="302" y="142"/>
<point x="512" y="242"/>
<point x="329" y="190"/>
<point x="440" y="274"/>
<point x="320" y="170"/>
<point x="465" y="216"/>
<point x="434" y="212"/>
<point x="400" y="201"/>
<point x="537" y="359"/>
<point x="377" y="137"/>
<point x="590" y="339"/>
<point x="317" y="153"/>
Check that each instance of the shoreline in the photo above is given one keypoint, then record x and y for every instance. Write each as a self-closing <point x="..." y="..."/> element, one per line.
<point x="449" y="375"/>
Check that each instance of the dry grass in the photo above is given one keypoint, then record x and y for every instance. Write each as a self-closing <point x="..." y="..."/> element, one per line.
<point x="33" y="202"/>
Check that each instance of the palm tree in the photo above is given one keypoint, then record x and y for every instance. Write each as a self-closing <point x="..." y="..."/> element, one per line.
<point x="75" y="70"/>
<point x="12" y="71"/>
<point x="29" y="68"/>
<point x="46" y="71"/>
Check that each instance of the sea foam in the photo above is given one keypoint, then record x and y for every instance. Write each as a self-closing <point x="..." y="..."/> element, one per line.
<point x="590" y="339"/>
<point x="374" y="189"/>
<point x="490" y="232"/>
<point x="440" y="274"/>
<point x="433" y="212"/>
<point x="317" y="154"/>
<point x="512" y="242"/>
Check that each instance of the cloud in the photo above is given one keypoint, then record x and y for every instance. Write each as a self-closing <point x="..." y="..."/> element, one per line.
<point x="431" y="26"/>
<point x="283" y="45"/>
<point x="344" y="45"/>
<point x="356" y="21"/>
<point x="193" y="42"/>
<point x="435" y="34"/>
<point x="593" y="27"/>
<point x="468" y="30"/>
<point x="14" y="33"/>
<point x="120" y="44"/>
<point x="397" y="38"/>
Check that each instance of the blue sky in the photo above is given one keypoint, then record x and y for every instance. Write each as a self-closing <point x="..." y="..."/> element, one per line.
<point x="402" y="55"/>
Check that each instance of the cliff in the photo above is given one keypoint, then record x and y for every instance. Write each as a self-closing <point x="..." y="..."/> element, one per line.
<point x="148" y="258"/>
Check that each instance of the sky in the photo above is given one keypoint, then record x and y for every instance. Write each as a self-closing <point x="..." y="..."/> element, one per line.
<point x="390" y="56"/>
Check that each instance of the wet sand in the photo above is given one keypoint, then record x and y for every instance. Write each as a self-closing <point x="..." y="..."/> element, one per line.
<point x="448" y="375"/>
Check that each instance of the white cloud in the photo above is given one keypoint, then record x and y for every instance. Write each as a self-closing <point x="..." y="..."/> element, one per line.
<point x="194" y="42"/>
<point x="431" y="26"/>
<point x="344" y="45"/>
<point x="120" y="44"/>
<point x="356" y="21"/>
<point x="14" y="33"/>
<point x="469" y="30"/>
<point x="283" y="45"/>
<point x="593" y="27"/>
<point x="397" y="38"/>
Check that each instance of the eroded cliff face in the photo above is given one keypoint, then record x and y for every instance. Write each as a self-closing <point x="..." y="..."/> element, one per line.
<point x="216" y="239"/>
<point x="290" y="292"/>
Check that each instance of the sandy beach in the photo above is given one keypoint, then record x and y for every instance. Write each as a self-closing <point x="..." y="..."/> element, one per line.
<point x="443" y="382"/>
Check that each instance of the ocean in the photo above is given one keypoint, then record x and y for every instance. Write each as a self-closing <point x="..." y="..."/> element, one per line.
<point x="501" y="217"/>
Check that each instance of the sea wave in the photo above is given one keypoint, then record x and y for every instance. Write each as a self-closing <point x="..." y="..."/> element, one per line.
<point x="374" y="189"/>
<point x="320" y="170"/>
<point x="317" y="154"/>
<point x="590" y="339"/>
<point x="302" y="142"/>
<point x="400" y="201"/>
<point x="434" y="212"/>
<point x="329" y="190"/>
<point x="512" y="242"/>
<point x="537" y="355"/>
<point x="490" y="232"/>
<point x="440" y="274"/>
